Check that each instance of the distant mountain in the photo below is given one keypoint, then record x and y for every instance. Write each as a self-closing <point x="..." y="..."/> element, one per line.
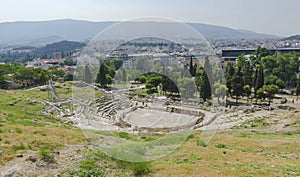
<point x="295" y="37"/>
<point x="79" y="30"/>
<point x="65" y="47"/>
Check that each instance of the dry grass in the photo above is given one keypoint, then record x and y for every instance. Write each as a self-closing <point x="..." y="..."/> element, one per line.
<point x="256" y="155"/>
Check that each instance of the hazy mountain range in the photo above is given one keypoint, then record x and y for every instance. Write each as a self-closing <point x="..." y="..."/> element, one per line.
<point x="79" y="30"/>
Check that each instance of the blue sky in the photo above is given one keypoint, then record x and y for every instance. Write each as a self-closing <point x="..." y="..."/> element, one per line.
<point x="266" y="16"/>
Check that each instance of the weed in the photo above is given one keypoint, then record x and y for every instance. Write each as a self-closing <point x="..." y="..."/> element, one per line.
<point x="6" y="142"/>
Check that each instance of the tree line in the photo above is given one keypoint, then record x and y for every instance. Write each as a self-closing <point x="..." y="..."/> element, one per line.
<point x="29" y="77"/>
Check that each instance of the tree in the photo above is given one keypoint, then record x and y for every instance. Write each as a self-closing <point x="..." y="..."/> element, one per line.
<point x="274" y="80"/>
<point x="229" y="72"/>
<point x="87" y="75"/>
<point x="259" y="53"/>
<point x="186" y="86"/>
<point x="246" y="69"/>
<point x="192" y="69"/>
<point x="2" y="81"/>
<point x="205" y="89"/>
<point x="237" y="84"/>
<point x="68" y="77"/>
<point x="102" y="76"/>
<point x="260" y="94"/>
<point x="247" y="92"/>
<point x="270" y="91"/>
<point x="258" y="81"/>
<point x="117" y="64"/>
<point x="142" y="79"/>
<point x="298" y="87"/>
<point x="153" y="83"/>
<point x="220" y="90"/>
<point x="169" y="86"/>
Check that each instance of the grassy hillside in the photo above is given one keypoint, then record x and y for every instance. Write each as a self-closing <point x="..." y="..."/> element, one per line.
<point x="253" y="149"/>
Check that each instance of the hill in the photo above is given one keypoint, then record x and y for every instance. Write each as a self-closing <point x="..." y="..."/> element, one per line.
<point x="295" y="37"/>
<point x="79" y="30"/>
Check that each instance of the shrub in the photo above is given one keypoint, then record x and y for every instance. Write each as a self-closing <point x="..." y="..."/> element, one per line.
<point x="124" y="135"/>
<point x="201" y="143"/>
<point x="89" y="168"/>
<point x="221" y="146"/>
<point x="140" y="168"/>
<point x="45" y="154"/>
<point x="21" y="146"/>
<point x="191" y="136"/>
<point x="18" y="130"/>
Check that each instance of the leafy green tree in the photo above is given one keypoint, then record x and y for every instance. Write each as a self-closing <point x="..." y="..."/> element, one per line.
<point x="260" y="94"/>
<point x="142" y="79"/>
<point x="169" y="86"/>
<point x="2" y="81"/>
<point x="186" y="86"/>
<point x="55" y="72"/>
<point x="68" y="77"/>
<point x="270" y="91"/>
<point x="220" y="90"/>
<point x="153" y="83"/>
<point x="117" y="64"/>
<point x="274" y="80"/>
<point x="41" y="76"/>
<point x="259" y="53"/>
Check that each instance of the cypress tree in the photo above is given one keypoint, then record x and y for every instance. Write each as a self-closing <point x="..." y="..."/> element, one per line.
<point x="87" y="76"/>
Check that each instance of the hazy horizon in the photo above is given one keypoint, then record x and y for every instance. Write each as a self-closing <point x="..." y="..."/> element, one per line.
<point x="268" y="16"/>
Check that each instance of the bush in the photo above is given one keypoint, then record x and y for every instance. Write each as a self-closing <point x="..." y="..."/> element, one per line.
<point x="20" y="147"/>
<point x="90" y="173"/>
<point x="191" y="136"/>
<point x="124" y="135"/>
<point x="221" y="146"/>
<point x="139" y="168"/>
<point x="89" y="168"/>
<point x="45" y="154"/>
<point x="88" y="164"/>
<point x="18" y="130"/>
<point x="201" y="143"/>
